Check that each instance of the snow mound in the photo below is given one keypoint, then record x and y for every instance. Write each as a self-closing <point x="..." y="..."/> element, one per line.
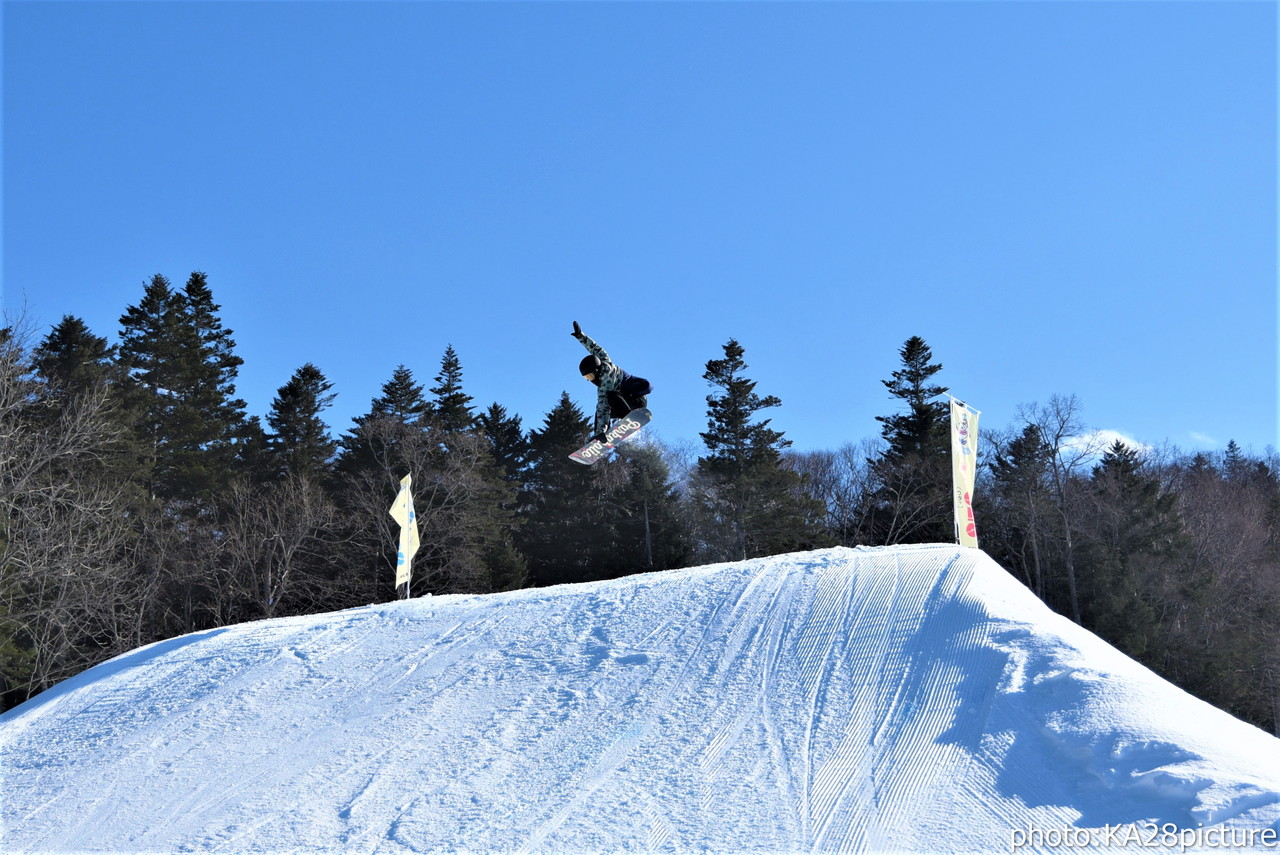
<point x="913" y="699"/>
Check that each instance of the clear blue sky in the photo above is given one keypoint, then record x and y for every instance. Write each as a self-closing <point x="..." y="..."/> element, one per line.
<point x="1075" y="198"/>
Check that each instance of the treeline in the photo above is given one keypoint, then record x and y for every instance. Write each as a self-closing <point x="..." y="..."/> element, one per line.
<point x="1173" y="558"/>
<point x="141" y="502"/>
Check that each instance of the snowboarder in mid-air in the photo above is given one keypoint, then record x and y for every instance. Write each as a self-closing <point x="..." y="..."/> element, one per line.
<point x="619" y="393"/>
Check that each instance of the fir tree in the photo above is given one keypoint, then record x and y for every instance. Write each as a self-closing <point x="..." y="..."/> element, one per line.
<point x="506" y="439"/>
<point x="465" y="506"/>
<point x="399" y="412"/>
<point x="652" y="533"/>
<point x="1134" y="527"/>
<point x="150" y="341"/>
<point x="176" y="350"/>
<point x="921" y="431"/>
<point x="79" y="370"/>
<point x="911" y="500"/>
<point x="151" y="338"/>
<point x="402" y="398"/>
<point x="215" y="363"/>
<point x="210" y="417"/>
<point x="1023" y="505"/>
<point x="451" y="406"/>
<point x="382" y="446"/>
<point x="474" y="501"/>
<point x="72" y="360"/>
<point x="753" y="504"/>
<point x="299" y="443"/>
<point x="1233" y="460"/>
<point x="566" y="530"/>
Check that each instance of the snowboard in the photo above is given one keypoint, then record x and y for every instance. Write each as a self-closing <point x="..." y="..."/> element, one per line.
<point x="625" y="427"/>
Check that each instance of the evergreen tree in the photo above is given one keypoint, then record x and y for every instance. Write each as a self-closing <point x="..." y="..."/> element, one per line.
<point x="752" y="503"/>
<point x="402" y="398"/>
<point x="1022" y="502"/>
<point x="566" y="531"/>
<point x="72" y="360"/>
<point x="254" y="455"/>
<point x="1234" y="461"/>
<point x="921" y="431"/>
<point x="151" y="337"/>
<point x="150" y="342"/>
<point x="652" y="533"/>
<point x="400" y="411"/>
<point x="174" y="346"/>
<point x="300" y="443"/>
<point x="474" y="503"/>
<point x="506" y="439"/>
<point x="451" y="406"/>
<point x="1134" y="528"/>
<point x="911" y="500"/>
<point x="382" y="446"/>
<point x="214" y="363"/>
<point x="79" y="370"/>
<point x="465" y="506"/>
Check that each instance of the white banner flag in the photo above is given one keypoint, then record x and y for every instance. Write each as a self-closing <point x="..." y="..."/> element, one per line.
<point x="402" y="512"/>
<point x="964" y="470"/>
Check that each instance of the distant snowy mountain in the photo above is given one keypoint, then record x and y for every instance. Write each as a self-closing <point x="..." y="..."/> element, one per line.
<point x="910" y="699"/>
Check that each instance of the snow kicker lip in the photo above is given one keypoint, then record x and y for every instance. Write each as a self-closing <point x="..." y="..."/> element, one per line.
<point x="870" y="700"/>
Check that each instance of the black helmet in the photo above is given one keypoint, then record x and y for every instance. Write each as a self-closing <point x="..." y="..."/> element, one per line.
<point x="589" y="365"/>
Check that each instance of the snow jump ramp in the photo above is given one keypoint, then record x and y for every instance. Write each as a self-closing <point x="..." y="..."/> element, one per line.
<point x="908" y="699"/>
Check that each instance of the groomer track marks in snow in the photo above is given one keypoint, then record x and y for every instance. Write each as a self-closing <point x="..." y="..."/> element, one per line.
<point x="874" y="700"/>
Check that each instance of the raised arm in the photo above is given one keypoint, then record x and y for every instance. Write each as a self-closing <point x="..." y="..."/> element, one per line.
<point x="589" y="343"/>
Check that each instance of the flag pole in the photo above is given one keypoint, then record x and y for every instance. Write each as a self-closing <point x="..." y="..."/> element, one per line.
<point x="402" y="512"/>
<point x="964" y="469"/>
<point x="963" y="404"/>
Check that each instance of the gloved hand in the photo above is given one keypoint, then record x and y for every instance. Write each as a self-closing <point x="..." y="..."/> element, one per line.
<point x="600" y="438"/>
<point x="577" y="330"/>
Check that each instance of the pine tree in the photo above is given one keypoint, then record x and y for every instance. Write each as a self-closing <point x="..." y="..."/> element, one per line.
<point x="215" y="365"/>
<point x="451" y="406"/>
<point x="566" y="531"/>
<point x="1233" y="460"/>
<point x="464" y="504"/>
<point x="300" y="443"/>
<point x="176" y="350"/>
<point x="652" y="533"/>
<point x="150" y="343"/>
<point x="72" y="360"/>
<point x="402" y="398"/>
<point x="506" y="439"/>
<point x="151" y="337"/>
<point x="475" y="501"/>
<point x="1023" y="504"/>
<point x="79" y="369"/>
<point x="752" y="504"/>
<point x="1134" y="527"/>
<point x="399" y="412"/>
<point x="911" y="500"/>
<point x="922" y="431"/>
<point x="382" y="446"/>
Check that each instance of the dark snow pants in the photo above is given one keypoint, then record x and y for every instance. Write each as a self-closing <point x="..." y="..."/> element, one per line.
<point x="631" y="395"/>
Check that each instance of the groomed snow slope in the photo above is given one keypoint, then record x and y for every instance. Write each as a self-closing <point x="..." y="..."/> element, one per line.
<point x="871" y="700"/>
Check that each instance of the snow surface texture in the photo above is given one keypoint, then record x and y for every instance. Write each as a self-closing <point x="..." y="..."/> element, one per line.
<point x="872" y="700"/>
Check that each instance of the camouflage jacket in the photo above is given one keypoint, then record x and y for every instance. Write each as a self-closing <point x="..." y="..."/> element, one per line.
<point x="609" y="379"/>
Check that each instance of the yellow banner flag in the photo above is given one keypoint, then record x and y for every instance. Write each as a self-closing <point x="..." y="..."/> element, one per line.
<point x="402" y="512"/>
<point x="964" y="470"/>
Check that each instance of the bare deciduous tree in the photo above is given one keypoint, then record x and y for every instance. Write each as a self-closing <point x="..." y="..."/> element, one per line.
<point x="271" y="534"/>
<point x="1072" y="450"/>
<point x="64" y="600"/>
